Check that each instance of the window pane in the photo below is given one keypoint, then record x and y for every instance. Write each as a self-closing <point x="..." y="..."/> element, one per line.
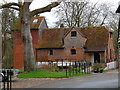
<point x="50" y="52"/>
<point x="73" y="34"/>
<point x="73" y="51"/>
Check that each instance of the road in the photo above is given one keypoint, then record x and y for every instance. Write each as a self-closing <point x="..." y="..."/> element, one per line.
<point x="96" y="80"/>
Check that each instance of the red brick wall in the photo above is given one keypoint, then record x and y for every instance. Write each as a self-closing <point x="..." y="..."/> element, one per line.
<point x="17" y="48"/>
<point x="110" y="46"/>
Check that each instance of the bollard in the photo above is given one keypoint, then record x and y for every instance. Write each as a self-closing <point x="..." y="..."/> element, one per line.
<point x="79" y="67"/>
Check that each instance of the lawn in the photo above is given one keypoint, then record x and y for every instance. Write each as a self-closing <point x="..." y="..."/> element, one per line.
<point x="45" y="74"/>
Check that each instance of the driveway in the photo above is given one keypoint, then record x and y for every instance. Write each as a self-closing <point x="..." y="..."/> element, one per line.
<point x="95" y="80"/>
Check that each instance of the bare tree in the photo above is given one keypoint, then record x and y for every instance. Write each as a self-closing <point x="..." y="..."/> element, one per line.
<point x="82" y="14"/>
<point x="25" y="16"/>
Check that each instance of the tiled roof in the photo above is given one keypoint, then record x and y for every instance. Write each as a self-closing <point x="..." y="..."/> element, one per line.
<point x="51" y="38"/>
<point x="17" y="24"/>
<point x="97" y="38"/>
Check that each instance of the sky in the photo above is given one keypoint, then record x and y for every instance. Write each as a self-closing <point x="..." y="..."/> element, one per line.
<point x="50" y="17"/>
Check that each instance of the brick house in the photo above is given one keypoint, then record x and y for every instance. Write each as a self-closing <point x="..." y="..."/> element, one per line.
<point x="37" y="24"/>
<point x="89" y="44"/>
<point x="76" y="44"/>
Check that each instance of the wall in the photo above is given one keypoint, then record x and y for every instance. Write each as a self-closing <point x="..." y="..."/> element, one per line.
<point x="110" y="46"/>
<point x="17" y="50"/>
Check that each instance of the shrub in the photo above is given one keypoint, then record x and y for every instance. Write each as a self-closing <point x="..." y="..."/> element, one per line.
<point x="46" y="67"/>
<point x="55" y="68"/>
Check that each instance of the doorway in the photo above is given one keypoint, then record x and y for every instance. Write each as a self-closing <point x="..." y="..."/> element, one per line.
<point x="96" y="58"/>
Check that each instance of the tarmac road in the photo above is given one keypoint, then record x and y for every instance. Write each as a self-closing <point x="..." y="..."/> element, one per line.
<point x="96" y="80"/>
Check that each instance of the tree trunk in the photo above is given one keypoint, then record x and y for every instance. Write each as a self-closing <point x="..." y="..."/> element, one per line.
<point x="0" y="48"/>
<point x="29" y="59"/>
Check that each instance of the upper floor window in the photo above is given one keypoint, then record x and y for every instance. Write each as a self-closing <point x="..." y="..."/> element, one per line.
<point x="50" y="52"/>
<point x="73" y="51"/>
<point x="35" y="20"/>
<point x="73" y="34"/>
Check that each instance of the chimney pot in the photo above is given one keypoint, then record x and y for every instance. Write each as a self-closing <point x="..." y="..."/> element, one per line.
<point x="61" y="25"/>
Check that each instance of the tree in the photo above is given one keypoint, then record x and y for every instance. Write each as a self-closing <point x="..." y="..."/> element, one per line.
<point x="25" y="15"/>
<point x="8" y="18"/>
<point x="82" y="13"/>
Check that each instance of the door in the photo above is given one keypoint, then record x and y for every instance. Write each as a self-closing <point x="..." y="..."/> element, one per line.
<point x="96" y="57"/>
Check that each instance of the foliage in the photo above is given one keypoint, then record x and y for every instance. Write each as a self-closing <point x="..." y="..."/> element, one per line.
<point x="56" y="68"/>
<point x="47" y="67"/>
<point x="99" y="66"/>
<point x="102" y="60"/>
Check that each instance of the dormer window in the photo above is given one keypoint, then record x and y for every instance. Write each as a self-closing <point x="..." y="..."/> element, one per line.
<point x="35" y="20"/>
<point x="73" y="34"/>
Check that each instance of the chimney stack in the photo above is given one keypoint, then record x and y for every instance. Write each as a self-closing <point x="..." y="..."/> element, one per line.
<point x="61" y="25"/>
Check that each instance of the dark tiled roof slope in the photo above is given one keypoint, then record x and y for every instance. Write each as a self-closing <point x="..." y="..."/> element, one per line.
<point x="97" y="38"/>
<point x="51" y="38"/>
<point x="17" y="24"/>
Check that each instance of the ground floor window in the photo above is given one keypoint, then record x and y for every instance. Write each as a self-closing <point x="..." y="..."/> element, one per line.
<point x="50" y="52"/>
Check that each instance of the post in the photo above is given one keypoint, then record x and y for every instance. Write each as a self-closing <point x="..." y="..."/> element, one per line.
<point x="79" y="67"/>
<point x="10" y="80"/>
<point x="76" y="67"/>
<point x="8" y="73"/>
<point x="69" y="69"/>
<point x="66" y="70"/>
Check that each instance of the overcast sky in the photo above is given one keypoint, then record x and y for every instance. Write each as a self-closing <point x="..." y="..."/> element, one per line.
<point x="50" y="16"/>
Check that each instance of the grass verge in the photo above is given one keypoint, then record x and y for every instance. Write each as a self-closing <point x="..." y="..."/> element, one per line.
<point x="47" y="74"/>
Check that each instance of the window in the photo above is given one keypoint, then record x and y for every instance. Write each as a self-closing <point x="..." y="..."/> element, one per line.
<point x="35" y="20"/>
<point x="73" y="34"/>
<point x="50" y="52"/>
<point x="73" y="51"/>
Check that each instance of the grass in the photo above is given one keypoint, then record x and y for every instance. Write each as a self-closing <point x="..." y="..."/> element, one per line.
<point x="46" y="74"/>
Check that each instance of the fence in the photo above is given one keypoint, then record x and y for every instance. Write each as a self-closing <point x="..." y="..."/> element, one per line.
<point x="6" y="79"/>
<point x="69" y="68"/>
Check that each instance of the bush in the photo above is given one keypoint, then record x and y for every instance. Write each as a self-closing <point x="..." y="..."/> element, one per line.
<point x="47" y="67"/>
<point x="56" y="68"/>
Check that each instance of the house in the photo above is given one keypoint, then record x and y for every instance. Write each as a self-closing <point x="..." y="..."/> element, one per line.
<point x="90" y="44"/>
<point x="37" y="24"/>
